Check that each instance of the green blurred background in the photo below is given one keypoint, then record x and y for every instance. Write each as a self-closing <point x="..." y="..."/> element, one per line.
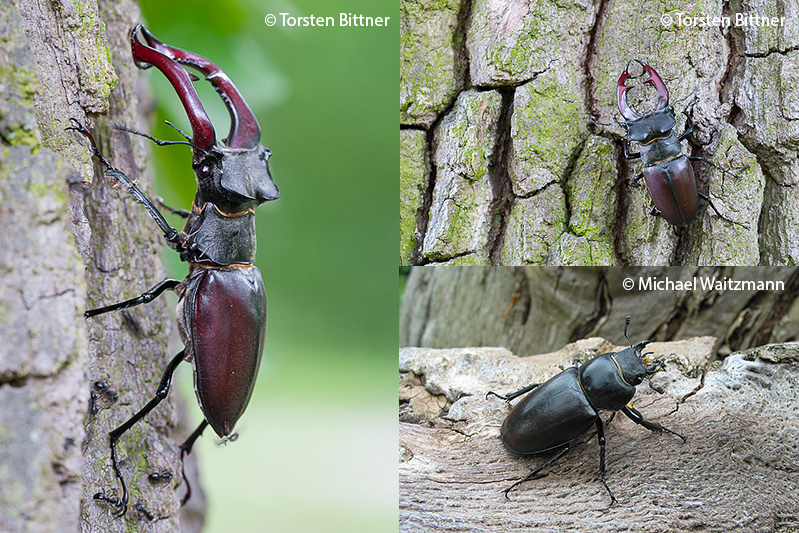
<point x="318" y="443"/>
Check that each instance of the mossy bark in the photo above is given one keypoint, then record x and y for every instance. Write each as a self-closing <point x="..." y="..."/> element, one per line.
<point x="71" y="240"/>
<point x="557" y="66"/>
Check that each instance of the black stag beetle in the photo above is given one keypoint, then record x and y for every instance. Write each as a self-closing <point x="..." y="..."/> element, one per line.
<point x="562" y="409"/>
<point x="222" y="302"/>
<point x="668" y="174"/>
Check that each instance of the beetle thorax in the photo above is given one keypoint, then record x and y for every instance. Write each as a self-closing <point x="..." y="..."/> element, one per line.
<point x="655" y="125"/>
<point x="609" y="380"/>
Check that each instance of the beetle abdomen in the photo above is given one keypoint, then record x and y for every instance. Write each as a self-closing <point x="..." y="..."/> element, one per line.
<point x="672" y="187"/>
<point x="227" y="319"/>
<point x="553" y="414"/>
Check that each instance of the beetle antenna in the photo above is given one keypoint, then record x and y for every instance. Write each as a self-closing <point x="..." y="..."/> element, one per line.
<point x="686" y="97"/>
<point x="159" y="142"/>
<point x="626" y="325"/>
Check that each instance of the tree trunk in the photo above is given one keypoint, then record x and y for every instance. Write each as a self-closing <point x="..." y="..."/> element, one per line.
<point x="531" y="310"/>
<point x="72" y="241"/>
<point x="510" y="154"/>
<point x="738" y="469"/>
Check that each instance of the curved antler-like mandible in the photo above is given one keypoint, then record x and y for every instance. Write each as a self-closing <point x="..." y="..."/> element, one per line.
<point x="663" y="92"/>
<point x="244" y="129"/>
<point x="621" y="90"/>
<point x="146" y="57"/>
<point x="621" y="96"/>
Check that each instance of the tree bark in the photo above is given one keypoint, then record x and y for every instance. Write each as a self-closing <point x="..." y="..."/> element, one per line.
<point x="737" y="471"/>
<point x="510" y="153"/>
<point x="531" y="310"/>
<point x="72" y="241"/>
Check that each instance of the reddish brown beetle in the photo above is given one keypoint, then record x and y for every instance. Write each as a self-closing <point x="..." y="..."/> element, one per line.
<point x="222" y="302"/>
<point x="668" y="174"/>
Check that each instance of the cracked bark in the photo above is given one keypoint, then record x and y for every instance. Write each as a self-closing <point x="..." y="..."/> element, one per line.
<point x="737" y="471"/>
<point x="72" y="241"/>
<point x="746" y="85"/>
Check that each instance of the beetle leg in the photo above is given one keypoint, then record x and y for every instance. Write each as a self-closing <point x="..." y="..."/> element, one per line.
<point x="121" y="504"/>
<point x="712" y="164"/>
<point x="536" y="470"/>
<point x="627" y="153"/>
<point x="185" y="449"/>
<point x="689" y="128"/>
<point x="511" y="395"/>
<point x="600" y="433"/>
<point x="147" y="297"/>
<point x="707" y="199"/>
<point x="710" y="203"/>
<point x="170" y="233"/>
<point x="639" y="419"/>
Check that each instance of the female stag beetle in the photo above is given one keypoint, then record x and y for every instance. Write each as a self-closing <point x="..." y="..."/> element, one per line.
<point x="222" y="302"/>
<point x="668" y="174"/>
<point x="565" y="407"/>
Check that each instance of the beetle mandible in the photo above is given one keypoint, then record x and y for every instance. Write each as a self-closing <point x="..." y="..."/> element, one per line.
<point x="563" y="408"/>
<point x="222" y="302"/>
<point x="668" y="174"/>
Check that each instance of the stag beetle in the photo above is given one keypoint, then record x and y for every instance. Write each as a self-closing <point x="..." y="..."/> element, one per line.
<point x="565" y="407"/>
<point x="667" y="173"/>
<point x="222" y="303"/>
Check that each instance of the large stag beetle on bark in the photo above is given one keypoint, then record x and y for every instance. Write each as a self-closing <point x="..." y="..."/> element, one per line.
<point x="668" y="173"/>
<point x="222" y="301"/>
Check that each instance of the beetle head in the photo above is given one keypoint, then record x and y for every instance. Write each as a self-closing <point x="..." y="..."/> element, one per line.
<point x="634" y="363"/>
<point x="635" y="367"/>
<point x="236" y="172"/>
<point x="235" y="179"/>
<point x="629" y="114"/>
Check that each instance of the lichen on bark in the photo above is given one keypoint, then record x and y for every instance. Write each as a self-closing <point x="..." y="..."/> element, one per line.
<point x="559" y="86"/>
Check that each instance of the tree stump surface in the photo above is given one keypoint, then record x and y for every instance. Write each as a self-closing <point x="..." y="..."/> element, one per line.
<point x="737" y="471"/>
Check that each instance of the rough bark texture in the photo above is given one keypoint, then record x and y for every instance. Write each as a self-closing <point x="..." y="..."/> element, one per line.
<point x="513" y="172"/>
<point x="532" y="310"/>
<point x="737" y="471"/>
<point x="73" y="241"/>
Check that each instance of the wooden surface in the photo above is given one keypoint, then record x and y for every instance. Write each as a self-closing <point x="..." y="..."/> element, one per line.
<point x="738" y="470"/>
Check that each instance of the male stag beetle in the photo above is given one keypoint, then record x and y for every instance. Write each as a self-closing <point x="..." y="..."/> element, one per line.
<point x="668" y="174"/>
<point x="565" y="407"/>
<point x="222" y="303"/>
